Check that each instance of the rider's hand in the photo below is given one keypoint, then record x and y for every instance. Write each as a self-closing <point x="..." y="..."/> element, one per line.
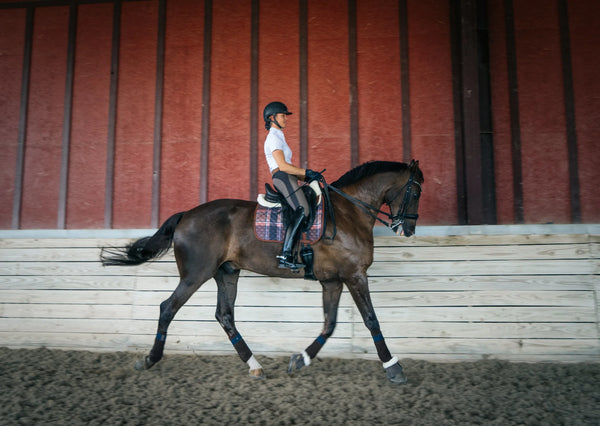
<point x="311" y="175"/>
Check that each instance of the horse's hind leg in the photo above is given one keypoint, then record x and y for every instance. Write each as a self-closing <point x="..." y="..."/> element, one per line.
<point x="359" y="289"/>
<point x="332" y="290"/>
<point x="227" y="278"/>
<point x="168" y="309"/>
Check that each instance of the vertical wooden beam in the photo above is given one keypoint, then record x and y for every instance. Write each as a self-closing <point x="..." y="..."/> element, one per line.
<point x="112" y="115"/>
<point x="486" y="134"/>
<point x="254" y="99"/>
<point x="352" y="65"/>
<point x="68" y="107"/>
<point x="205" y="100"/>
<point x="158" y="112"/>
<point x="515" y="123"/>
<point x="22" y="131"/>
<point x="472" y="113"/>
<point x="303" y="48"/>
<point x="404" y="82"/>
<point x="455" y="54"/>
<point x="569" y="99"/>
<point x="470" y="106"/>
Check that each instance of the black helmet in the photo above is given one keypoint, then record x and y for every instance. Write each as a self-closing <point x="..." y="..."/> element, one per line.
<point x="271" y="110"/>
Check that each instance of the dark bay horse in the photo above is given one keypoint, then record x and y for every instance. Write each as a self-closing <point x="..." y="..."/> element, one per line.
<point x="216" y="240"/>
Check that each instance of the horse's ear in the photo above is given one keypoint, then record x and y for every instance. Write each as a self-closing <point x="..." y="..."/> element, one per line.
<point x="414" y="165"/>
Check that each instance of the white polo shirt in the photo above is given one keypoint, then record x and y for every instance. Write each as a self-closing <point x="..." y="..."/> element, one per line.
<point x="276" y="140"/>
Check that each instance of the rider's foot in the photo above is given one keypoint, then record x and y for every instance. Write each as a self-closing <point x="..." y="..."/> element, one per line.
<point x="289" y="263"/>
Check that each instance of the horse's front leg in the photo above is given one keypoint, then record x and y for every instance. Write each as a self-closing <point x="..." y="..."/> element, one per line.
<point x="359" y="289"/>
<point x="332" y="291"/>
<point x="226" y="294"/>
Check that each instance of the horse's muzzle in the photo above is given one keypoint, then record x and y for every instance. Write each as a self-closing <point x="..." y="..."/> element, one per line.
<point x="403" y="228"/>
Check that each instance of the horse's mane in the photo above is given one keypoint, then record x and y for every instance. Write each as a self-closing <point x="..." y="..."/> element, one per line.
<point x="368" y="169"/>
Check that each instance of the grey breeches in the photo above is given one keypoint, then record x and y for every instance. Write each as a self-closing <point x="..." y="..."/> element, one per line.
<point x="288" y="186"/>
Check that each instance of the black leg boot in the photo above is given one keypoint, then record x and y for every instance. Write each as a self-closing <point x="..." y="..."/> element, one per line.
<point x="286" y="259"/>
<point x="308" y="256"/>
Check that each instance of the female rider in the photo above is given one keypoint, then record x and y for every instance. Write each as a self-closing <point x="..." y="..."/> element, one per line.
<point x="285" y="177"/>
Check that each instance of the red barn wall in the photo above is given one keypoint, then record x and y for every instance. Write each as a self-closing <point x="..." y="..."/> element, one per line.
<point x="12" y="29"/>
<point x="545" y="183"/>
<point x="89" y="132"/>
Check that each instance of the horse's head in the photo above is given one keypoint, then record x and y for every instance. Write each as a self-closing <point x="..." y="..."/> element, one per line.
<point x="404" y="201"/>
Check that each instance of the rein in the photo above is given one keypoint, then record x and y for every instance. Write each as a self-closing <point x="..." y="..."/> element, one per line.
<point x="396" y="220"/>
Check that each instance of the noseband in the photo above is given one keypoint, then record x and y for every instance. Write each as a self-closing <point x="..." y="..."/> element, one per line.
<point x="396" y="220"/>
<point x="399" y="218"/>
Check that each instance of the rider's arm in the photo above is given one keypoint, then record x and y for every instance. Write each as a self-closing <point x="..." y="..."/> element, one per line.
<point x="287" y="167"/>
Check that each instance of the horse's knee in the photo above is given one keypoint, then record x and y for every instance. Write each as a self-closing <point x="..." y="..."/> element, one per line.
<point x="328" y="329"/>
<point x="226" y="321"/>
<point x="372" y="323"/>
<point x="166" y="312"/>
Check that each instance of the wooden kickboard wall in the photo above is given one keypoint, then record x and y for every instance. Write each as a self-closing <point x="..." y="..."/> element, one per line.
<point x="439" y="298"/>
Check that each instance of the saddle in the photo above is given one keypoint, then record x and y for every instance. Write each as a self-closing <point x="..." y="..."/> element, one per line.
<point x="274" y="199"/>
<point x="273" y="215"/>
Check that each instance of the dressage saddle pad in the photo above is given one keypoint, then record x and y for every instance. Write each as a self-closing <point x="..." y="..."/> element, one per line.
<point x="268" y="225"/>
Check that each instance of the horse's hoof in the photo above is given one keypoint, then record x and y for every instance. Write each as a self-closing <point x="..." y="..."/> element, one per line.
<point x="395" y="374"/>
<point x="296" y="363"/>
<point x="143" y="364"/>
<point x="258" y="374"/>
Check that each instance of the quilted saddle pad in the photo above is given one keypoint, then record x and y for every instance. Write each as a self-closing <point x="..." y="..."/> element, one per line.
<point x="268" y="225"/>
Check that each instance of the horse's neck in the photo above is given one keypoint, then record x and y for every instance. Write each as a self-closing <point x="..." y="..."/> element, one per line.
<point x="370" y="190"/>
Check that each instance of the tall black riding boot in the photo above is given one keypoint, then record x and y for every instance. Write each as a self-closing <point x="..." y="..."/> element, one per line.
<point x="286" y="259"/>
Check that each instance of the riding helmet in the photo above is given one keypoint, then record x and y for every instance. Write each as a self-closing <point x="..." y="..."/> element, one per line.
<point x="272" y="109"/>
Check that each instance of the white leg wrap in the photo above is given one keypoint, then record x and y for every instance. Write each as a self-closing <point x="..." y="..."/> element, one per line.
<point x="391" y="362"/>
<point x="306" y="358"/>
<point x="254" y="364"/>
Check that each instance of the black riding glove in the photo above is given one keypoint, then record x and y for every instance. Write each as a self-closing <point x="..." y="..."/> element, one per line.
<point x="311" y="175"/>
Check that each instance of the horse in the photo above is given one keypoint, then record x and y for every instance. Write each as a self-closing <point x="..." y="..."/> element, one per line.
<point x="216" y="240"/>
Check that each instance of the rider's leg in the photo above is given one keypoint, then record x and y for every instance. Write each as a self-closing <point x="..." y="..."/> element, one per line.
<point x="292" y="233"/>
<point x="288" y="186"/>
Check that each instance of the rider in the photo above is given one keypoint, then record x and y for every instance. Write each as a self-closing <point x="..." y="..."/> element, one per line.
<point x="285" y="177"/>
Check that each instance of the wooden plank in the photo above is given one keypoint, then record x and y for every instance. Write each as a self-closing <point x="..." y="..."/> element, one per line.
<point x="175" y="343"/>
<point x="454" y="268"/>
<point x="212" y="329"/>
<point x="484" y="298"/>
<point x="484" y="268"/>
<point x="86" y="268"/>
<point x="36" y="243"/>
<point x="154" y="298"/>
<point x="273" y="329"/>
<point x="496" y="282"/>
<point x="63" y="254"/>
<point x="486" y="314"/>
<point x="492" y="330"/>
<point x="187" y="313"/>
<point x="483" y="240"/>
<point x="524" y="252"/>
<point x="485" y="347"/>
<point x="387" y="253"/>
<point x="267" y="284"/>
<point x="516" y="314"/>
<point x="380" y="241"/>
<point x="310" y="299"/>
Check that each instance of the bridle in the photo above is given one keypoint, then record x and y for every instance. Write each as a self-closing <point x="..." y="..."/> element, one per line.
<point x="399" y="218"/>
<point x="396" y="219"/>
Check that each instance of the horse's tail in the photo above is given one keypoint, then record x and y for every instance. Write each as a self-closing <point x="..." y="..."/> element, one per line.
<point x="144" y="249"/>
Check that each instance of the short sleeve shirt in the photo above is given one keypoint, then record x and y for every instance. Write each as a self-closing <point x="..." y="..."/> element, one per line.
<point x="276" y="140"/>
